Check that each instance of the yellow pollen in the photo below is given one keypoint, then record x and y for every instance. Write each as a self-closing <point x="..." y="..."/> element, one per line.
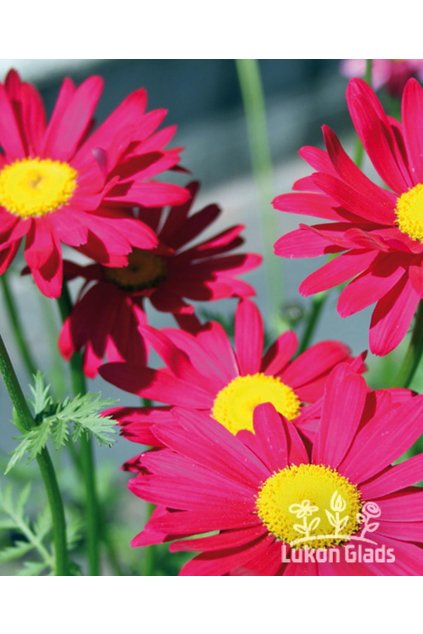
<point x="144" y="270"/>
<point x="409" y="213"/>
<point x="234" y="405"/>
<point x="309" y="506"/>
<point x="34" y="187"/>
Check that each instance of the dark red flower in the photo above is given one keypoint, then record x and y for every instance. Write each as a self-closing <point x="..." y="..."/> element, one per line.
<point x="110" y="309"/>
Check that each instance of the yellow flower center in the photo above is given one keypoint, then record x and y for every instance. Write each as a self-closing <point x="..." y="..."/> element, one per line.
<point x="35" y="187"/>
<point x="309" y="506"/>
<point x="409" y="212"/>
<point x="144" y="270"/>
<point x="234" y="405"/>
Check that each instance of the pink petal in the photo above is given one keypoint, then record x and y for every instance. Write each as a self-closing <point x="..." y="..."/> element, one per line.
<point x="384" y="438"/>
<point x="375" y="133"/>
<point x="280" y="353"/>
<point x="337" y="271"/>
<point x="371" y="285"/>
<point x="392" y="317"/>
<point x="249" y="337"/>
<point x="343" y="404"/>
<point x="412" y="116"/>
<point x="75" y="119"/>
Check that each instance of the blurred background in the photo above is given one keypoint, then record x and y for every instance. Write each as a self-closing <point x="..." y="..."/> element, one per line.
<point x="204" y="99"/>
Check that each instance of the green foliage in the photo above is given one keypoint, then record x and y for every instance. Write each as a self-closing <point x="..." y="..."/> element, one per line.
<point x="30" y="539"/>
<point x="26" y="538"/>
<point x="62" y="422"/>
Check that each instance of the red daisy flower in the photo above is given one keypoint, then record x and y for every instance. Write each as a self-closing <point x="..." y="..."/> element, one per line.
<point x="106" y="318"/>
<point x="61" y="184"/>
<point x="205" y="373"/>
<point x="378" y="231"/>
<point x="280" y="508"/>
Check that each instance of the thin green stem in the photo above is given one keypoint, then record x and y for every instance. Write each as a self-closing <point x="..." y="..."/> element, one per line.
<point x="17" y="329"/>
<point x="317" y="305"/>
<point x="48" y="474"/>
<point x="79" y="386"/>
<point x="414" y="352"/>
<point x="359" y="149"/>
<point x="255" y="113"/>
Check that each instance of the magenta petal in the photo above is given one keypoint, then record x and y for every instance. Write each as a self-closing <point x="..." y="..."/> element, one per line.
<point x="249" y="337"/>
<point x="271" y="437"/>
<point x="337" y="271"/>
<point x="279" y="353"/>
<point x="342" y="408"/>
<point x="370" y="286"/>
<point x="385" y="438"/>
<point x="392" y="317"/>
<point x="221" y="541"/>
<point x="402" y="475"/>
<point x="412" y="116"/>
<point x="220" y="563"/>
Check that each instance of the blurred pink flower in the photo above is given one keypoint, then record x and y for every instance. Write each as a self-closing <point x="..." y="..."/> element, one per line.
<point x="390" y="73"/>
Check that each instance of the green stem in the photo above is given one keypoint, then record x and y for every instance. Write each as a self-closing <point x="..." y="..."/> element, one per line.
<point x="317" y="305"/>
<point x="48" y="474"/>
<point x="17" y="328"/>
<point x="359" y="149"/>
<point x="255" y="113"/>
<point x="79" y="386"/>
<point x="414" y="353"/>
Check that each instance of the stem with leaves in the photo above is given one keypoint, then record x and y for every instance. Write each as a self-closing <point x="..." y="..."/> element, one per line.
<point x="26" y="422"/>
<point x="86" y="453"/>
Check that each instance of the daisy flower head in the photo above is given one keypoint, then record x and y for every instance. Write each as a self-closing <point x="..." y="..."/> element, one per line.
<point x="268" y="504"/>
<point x="391" y="74"/>
<point x="62" y="183"/>
<point x="375" y="230"/>
<point x="204" y="372"/>
<point x="106" y="320"/>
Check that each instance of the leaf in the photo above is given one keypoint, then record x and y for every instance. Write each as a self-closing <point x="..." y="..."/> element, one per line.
<point x="74" y="530"/>
<point x="314" y="524"/>
<point x="60" y="433"/>
<point x="343" y="522"/>
<point x="32" y="568"/>
<point x="33" y="442"/>
<point x="371" y="528"/>
<point x="42" y="524"/>
<point x="332" y="519"/>
<point x="29" y="538"/>
<point x="22" y="499"/>
<point x="41" y="394"/>
<point x="18" y="550"/>
<point x="300" y="529"/>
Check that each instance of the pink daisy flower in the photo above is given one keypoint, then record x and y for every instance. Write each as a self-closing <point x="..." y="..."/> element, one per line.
<point x="60" y="183"/>
<point x="276" y="507"/>
<point x="378" y="231"/>
<point x="205" y="373"/>
<point x="106" y="320"/>
<point x="390" y="73"/>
